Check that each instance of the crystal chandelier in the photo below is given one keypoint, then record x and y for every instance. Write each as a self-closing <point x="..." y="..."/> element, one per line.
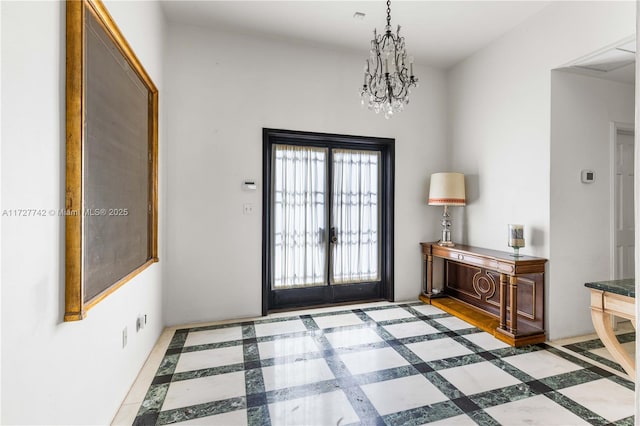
<point x="386" y="77"/>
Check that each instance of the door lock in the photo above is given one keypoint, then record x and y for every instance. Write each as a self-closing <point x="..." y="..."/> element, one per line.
<point x="334" y="236"/>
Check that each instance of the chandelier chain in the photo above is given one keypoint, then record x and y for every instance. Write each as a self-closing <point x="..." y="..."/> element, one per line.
<point x="388" y="13"/>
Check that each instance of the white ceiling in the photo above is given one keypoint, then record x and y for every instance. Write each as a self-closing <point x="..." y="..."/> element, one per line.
<point x="438" y="33"/>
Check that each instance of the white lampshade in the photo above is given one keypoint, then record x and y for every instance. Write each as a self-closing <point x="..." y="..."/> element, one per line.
<point x="447" y="189"/>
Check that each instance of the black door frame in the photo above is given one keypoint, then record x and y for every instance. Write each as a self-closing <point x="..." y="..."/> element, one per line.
<point x="271" y="137"/>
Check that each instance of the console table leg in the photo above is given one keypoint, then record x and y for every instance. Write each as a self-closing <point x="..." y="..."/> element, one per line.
<point x="503" y="301"/>
<point x="513" y="295"/>
<point x="430" y="273"/>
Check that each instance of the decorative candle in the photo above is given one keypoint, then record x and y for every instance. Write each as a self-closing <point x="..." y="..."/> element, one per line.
<point x="516" y="236"/>
<point x="386" y="65"/>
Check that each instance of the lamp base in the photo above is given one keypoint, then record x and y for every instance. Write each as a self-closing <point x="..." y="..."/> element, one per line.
<point x="446" y="243"/>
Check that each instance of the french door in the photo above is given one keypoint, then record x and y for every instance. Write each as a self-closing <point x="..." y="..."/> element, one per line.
<point x="328" y="222"/>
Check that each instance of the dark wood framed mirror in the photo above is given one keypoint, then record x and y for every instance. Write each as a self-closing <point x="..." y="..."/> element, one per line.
<point x="111" y="160"/>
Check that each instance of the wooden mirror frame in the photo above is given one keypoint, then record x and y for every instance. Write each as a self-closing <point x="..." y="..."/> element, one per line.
<point x="76" y="306"/>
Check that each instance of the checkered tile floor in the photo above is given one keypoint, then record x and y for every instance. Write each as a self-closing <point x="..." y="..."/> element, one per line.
<point x="395" y="364"/>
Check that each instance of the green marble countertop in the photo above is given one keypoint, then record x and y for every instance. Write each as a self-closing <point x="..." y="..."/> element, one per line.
<point x="625" y="287"/>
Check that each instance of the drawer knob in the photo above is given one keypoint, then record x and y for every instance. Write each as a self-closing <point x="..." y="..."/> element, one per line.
<point x="460" y="257"/>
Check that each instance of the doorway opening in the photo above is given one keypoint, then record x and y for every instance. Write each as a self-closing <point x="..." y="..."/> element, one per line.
<point x="622" y="201"/>
<point x="328" y="219"/>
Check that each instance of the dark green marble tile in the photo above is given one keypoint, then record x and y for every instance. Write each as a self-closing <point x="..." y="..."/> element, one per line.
<point x="187" y="375"/>
<point x="457" y="361"/>
<point x="603" y="361"/>
<point x="154" y="399"/>
<point x="248" y="331"/>
<point x="361" y="405"/>
<point x="421" y="415"/>
<point x="178" y="339"/>
<point x="629" y="421"/>
<point x="208" y="346"/>
<point x="383" y="375"/>
<point x="407" y="354"/>
<point x="258" y="416"/>
<point x="502" y="396"/>
<point x="213" y="327"/>
<point x="302" y="391"/>
<point x="511" y="351"/>
<point x="627" y="337"/>
<point x="570" y="379"/>
<point x="251" y="352"/>
<point x="254" y="381"/>
<point x="168" y="365"/>
<point x="309" y="322"/>
<point x="443" y="385"/>
<point x="510" y="369"/>
<point x="201" y="410"/>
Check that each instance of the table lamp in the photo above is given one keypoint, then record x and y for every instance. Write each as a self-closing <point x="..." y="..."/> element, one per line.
<point x="446" y="189"/>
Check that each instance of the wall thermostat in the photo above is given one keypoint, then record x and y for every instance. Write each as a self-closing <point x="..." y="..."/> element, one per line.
<point x="588" y="176"/>
<point x="249" y="185"/>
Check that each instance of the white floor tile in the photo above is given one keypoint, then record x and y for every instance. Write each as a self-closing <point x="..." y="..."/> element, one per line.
<point x="410" y="329"/>
<point x="388" y="314"/>
<point x="453" y="323"/>
<point x="231" y="418"/>
<point x="205" y="389"/>
<point x="428" y="310"/>
<point x="432" y="350"/>
<point x="213" y="336"/>
<point x="477" y="378"/>
<point x="286" y="346"/>
<point x="199" y="360"/>
<point x="373" y="360"/>
<point x="541" y="364"/>
<point x="346" y="338"/>
<point x="405" y="393"/>
<point x="279" y="327"/>
<point x="126" y="415"/>
<point x="331" y="408"/>
<point x="485" y="341"/>
<point x="604" y="397"/>
<point x="537" y="411"/>
<point x="341" y="320"/>
<point x="296" y="373"/>
<point x="461" y="420"/>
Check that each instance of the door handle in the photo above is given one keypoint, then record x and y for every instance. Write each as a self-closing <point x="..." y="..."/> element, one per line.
<point x="333" y="236"/>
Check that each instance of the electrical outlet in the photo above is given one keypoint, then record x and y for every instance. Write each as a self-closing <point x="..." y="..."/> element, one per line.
<point x="124" y="337"/>
<point x="248" y="208"/>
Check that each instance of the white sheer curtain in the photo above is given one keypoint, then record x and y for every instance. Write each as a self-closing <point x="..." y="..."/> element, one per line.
<point x="299" y="216"/>
<point x="355" y="214"/>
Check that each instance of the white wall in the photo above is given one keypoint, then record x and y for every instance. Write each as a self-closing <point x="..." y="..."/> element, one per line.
<point x="55" y="372"/>
<point x="499" y="125"/>
<point x="582" y="109"/>
<point x="222" y="89"/>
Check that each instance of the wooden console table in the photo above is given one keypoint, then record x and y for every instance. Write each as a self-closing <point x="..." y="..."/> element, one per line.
<point x="617" y="298"/>
<point x="491" y="289"/>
